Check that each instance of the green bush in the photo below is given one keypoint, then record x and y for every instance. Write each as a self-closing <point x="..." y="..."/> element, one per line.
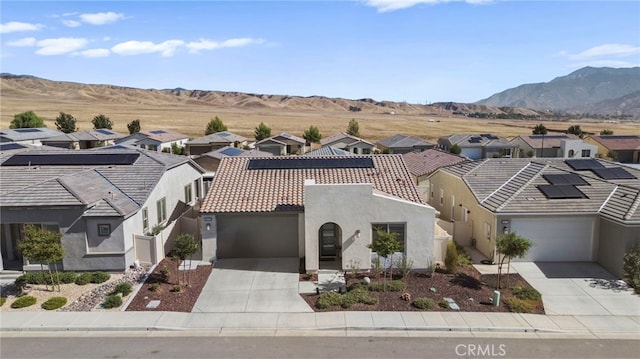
<point x="100" y="277"/>
<point x="37" y="278"/>
<point x="123" y="288"/>
<point x="517" y="305"/>
<point x="112" y="301"/>
<point x="424" y="303"/>
<point x="444" y="304"/>
<point x="2" y="301"/>
<point x="451" y="258"/>
<point x="404" y="266"/>
<point x="84" y="278"/>
<point x="54" y="303"/>
<point x="526" y="293"/>
<point x="68" y="277"/>
<point x="328" y="300"/>
<point x="464" y="259"/>
<point x="631" y="266"/>
<point x="176" y="288"/>
<point x="154" y="287"/>
<point x="354" y="296"/>
<point x="392" y="286"/>
<point x="23" y="302"/>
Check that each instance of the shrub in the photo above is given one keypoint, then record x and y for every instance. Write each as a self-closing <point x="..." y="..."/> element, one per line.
<point x="23" y="302"/>
<point x="165" y="271"/>
<point x="328" y="300"/>
<point x="84" y="278"/>
<point x="54" y="303"/>
<point x="100" y="277"/>
<point x="176" y="288"/>
<point x="424" y="303"/>
<point x="464" y="259"/>
<point x="37" y="278"/>
<point x="112" y="301"/>
<point x="517" y="305"/>
<point x="354" y="296"/>
<point x="631" y="266"/>
<point x="68" y="277"/>
<point x="123" y="288"/>
<point x="392" y="286"/>
<point x="526" y="293"/>
<point x="154" y="287"/>
<point x="444" y="304"/>
<point x="404" y="266"/>
<point x="2" y="301"/>
<point x="451" y="258"/>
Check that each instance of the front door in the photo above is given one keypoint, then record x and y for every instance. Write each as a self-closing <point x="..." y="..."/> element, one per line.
<point x="328" y="241"/>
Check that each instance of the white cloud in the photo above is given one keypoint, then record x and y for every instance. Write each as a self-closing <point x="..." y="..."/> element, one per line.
<point x="24" y="42"/>
<point x="605" y="50"/>
<point x="166" y="48"/>
<point x="60" y="46"/>
<point x="101" y="18"/>
<point x="92" y="53"/>
<point x="15" y="26"/>
<point x="393" y="5"/>
<point x="204" y="44"/>
<point x="71" y="23"/>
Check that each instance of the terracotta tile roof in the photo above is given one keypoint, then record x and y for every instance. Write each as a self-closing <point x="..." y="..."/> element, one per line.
<point x="239" y="189"/>
<point x="426" y="162"/>
<point x="618" y="143"/>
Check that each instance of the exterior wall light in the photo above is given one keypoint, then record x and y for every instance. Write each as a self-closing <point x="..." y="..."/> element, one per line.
<point x="357" y="233"/>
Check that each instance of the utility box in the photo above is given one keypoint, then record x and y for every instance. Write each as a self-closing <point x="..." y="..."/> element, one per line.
<point x="496" y="298"/>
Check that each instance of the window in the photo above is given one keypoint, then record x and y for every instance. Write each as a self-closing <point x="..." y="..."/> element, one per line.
<point x="196" y="183"/>
<point x="441" y="196"/>
<point x="586" y="153"/>
<point x="397" y="228"/>
<point x="431" y="190"/>
<point x="145" y="219"/>
<point x="453" y="207"/>
<point x="487" y="230"/>
<point x="161" y="206"/>
<point x="572" y="153"/>
<point x="104" y="229"/>
<point x="188" y="197"/>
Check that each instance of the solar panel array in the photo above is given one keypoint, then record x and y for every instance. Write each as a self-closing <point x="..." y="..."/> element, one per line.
<point x="613" y="173"/>
<point x="72" y="159"/>
<point x="104" y="132"/>
<point x="27" y="130"/>
<point x="565" y="179"/>
<point x="475" y="139"/>
<point x="232" y="151"/>
<point x="561" y="191"/>
<point x="309" y="163"/>
<point x="10" y="146"/>
<point x="489" y="136"/>
<point x="582" y="165"/>
<point x="224" y="134"/>
<point x="158" y="132"/>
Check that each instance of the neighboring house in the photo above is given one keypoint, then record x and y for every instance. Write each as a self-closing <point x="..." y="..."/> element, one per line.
<point x="214" y="141"/>
<point x="321" y="209"/>
<point x="400" y="144"/>
<point x="28" y="136"/>
<point x="422" y="164"/>
<point x="620" y="148"/>
<point x="349" y="143"/>
<point x="328" y="151"/>
<point x="572" y="210"/>
<point x="561" y="146"/>
<point x="480" y="146"/>
<point x="282" y="145"/>
<point x="84" y="139"/>
<point x="155" y="140"/>
<point x="112" y="206"/>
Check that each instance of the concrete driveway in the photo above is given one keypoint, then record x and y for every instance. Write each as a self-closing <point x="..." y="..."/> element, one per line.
<point x="579" y="288"/>
<point x="257" y="285"/>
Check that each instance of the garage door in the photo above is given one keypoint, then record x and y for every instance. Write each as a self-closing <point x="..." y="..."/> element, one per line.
<point x="473" y="153"/>
<point x="557" y="239"/>
<point x="257" y="236"/>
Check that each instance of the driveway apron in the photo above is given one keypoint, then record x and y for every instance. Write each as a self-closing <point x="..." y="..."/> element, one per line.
<point x="254" y="285"/>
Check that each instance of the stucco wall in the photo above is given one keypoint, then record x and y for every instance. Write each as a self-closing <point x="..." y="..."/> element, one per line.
<point x="615" y="240"/>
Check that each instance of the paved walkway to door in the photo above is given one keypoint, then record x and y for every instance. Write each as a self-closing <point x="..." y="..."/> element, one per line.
<point x="256" y="285"/>
<point x="579" y="288"/>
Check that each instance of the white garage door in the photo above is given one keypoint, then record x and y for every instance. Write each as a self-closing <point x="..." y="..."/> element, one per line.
<point x="557" y="239"/>
<point x="257" y="235"/>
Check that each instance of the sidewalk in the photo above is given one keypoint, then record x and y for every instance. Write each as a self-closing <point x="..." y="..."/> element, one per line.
<point x="474" y="324"/>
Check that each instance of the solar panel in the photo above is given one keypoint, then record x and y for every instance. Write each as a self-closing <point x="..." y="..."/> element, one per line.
<point x="158" y="132"/>
<point x="561" y="191"/>
<point x="488" y="136"/>
<point x="310" y="163"/>
<point x="27" y="130"/>
<point x="10" y="146"/>
<point x="613" y="173"/>
<point x="224" y="134"/>
<point x="232" y="151"/>
<point x="71" y="159"/>
<point x="582" y="165"/>
<point x="620" y="137"/>
<point x="565" y="178"/>
<point x="104" y="132"/>
<point x="475" y="139"/>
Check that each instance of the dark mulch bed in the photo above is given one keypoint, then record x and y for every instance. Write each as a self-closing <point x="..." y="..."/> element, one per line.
<point x="182" y="301"/>
<point x="465" y="284"/>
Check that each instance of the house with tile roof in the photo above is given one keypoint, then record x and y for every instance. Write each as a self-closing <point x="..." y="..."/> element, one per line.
<point x="84" y="139"/>
<point x="27" y="136"/>
<point x="328" y="151"/>
<point x="400" y="144"/>
<point x="324" y="210"/>
<point x="571" y="209"/>
<point x="345" y="141"/>
<point x="555" y="145"/>
<point x="283" y="144"/>
<point x="422" y="164"/>
<point x="155" y="140"/>
<point x="112" y="206"/>
<point x="621" y="148"/>
<point x="478" y="146"/>
<point x="214" y="141"/>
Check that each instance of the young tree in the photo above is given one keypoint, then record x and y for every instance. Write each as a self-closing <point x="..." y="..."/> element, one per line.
<point x="511" y="245"/>
<point x="215" y="125"/>
<point x="385" y="244"/>
<point x="312" y="134"/>
<point x="134" y="127"/>
<point x="455" y="149"/>
<point x="44" y="246"/>
<point x="353" y="128"/>
<point x="575" y="130"/>
<point x="451" y="258"/>
<point x="184" y="248"/>
<point x="27" y="120"/>
<point x="606" y="132"/>
<point x="66" y="123"/>
<point x="539" y="130"/>
<point x="262" y="131"/>
<point x="176" y="149"/>
<point x="102" y="121"/>
<point x="631" y="266"/>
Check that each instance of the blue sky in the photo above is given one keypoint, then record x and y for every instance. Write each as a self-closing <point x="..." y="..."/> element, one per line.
<point x="420" y="51"/>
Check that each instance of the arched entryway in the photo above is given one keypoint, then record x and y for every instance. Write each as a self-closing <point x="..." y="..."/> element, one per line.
<point x="330" y="246"/>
